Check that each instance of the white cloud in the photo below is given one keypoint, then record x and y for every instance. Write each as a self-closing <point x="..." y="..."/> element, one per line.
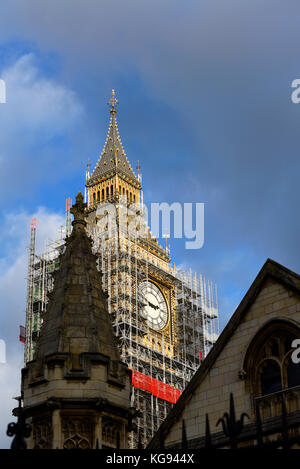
<point x="38" y="110"/>
<point x="35" y="103"/>
<point x="13" y="270"/>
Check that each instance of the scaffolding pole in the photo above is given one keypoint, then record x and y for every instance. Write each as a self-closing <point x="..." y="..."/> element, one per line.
<point x="30" y="286"/>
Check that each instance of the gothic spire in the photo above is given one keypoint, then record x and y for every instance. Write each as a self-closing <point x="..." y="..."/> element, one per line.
<point x="113" y="158"/>
<point x="77" y="319"/>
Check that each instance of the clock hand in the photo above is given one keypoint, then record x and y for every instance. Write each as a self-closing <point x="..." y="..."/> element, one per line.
<point x="149" y="303"/>
<point x="144" y="299"/>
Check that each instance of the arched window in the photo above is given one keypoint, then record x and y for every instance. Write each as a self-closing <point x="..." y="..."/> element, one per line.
<point x="270" y="377"/>
<point x="102" y="195"/>
<point x="94" y="198"/>
<point x="107" y="192"/>
<point x="267" y="365"/>
<point x="98" y="196"/>
<point x="111" y="190"/>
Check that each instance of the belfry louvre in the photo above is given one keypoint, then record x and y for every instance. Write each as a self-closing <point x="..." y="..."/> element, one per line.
<point x="165" y="320"/>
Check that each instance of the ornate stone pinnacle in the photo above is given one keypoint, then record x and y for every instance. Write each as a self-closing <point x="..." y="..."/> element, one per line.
<point x="78" y="211"/>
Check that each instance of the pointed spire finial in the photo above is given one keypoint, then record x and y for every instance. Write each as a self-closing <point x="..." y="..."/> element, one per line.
<point x="113" y="101"/>
<point x="78" y="210"/>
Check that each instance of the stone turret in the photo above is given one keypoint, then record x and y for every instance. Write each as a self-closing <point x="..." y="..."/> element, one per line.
<point x="77" y="391"/>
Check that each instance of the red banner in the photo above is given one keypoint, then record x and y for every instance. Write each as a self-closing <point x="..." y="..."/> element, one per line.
<point x="155" y="387"/>
<point x="22" y="335"/>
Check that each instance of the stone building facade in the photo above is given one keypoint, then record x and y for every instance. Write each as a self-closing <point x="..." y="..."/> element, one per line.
<point x="252" y="359"/>
<point x="76" y="392"/>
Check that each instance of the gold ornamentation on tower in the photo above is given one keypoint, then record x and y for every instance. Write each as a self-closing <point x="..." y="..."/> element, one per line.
<point x="113" y="175"/>
<point x="113" y="101"/>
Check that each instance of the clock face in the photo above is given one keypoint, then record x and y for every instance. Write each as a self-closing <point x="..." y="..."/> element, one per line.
<point x="154" y="307"/>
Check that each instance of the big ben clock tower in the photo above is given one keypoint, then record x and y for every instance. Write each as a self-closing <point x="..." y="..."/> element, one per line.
<point x="165" y="320"/>
<point x="158" y="314"/>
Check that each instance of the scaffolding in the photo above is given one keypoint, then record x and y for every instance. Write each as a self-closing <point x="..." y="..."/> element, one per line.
<point x="162" y="362"/>
<point x="30" y="291"/>
<point x="39" y="284"/>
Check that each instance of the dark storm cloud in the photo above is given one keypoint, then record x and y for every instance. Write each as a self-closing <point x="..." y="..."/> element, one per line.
<point x="224" y="69"/>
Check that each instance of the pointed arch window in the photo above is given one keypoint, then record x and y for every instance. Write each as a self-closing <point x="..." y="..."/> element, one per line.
<point x="270" y="377"/>
<point x="267" y="365"/>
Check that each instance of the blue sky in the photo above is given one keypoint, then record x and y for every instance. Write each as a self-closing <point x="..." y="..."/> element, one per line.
<point x="204" y="90"/>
